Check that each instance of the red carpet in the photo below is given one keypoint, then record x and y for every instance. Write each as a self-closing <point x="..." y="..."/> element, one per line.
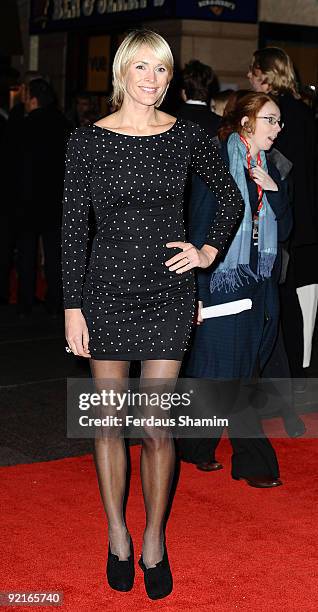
<point x="232" y="548"/>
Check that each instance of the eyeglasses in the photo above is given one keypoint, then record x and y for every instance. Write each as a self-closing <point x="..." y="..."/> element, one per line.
<point x="272" y="121"/>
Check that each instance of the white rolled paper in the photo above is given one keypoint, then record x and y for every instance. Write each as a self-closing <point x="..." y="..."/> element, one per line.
<point x="223" y="310"/>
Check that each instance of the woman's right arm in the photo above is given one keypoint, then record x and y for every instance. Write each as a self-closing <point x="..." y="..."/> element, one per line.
<point x="76" y="204"/>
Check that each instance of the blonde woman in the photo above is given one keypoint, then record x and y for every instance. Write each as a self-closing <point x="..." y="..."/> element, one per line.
<point x="136" y="298"/>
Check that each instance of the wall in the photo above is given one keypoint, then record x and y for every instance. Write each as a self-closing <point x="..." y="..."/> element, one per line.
<point x="227" y="47"/>
<point x="52" y="60"/>
<point x="21" y="62"/>
<point x="299" y="12"/>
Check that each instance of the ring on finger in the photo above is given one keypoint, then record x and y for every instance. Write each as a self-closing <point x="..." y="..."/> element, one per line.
<point x="68" y="349"/>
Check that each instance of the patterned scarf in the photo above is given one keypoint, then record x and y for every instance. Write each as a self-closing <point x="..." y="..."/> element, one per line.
<point x="235" y="269"/>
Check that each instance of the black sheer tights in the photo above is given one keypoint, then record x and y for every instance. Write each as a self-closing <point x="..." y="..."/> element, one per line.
<point x="156" y="465"/>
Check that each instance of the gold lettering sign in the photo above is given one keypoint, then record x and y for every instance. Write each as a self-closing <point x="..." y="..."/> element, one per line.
<point x="98" y="65"/>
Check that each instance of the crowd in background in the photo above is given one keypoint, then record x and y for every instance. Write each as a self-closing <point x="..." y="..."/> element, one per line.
<point x="34" y="135"/>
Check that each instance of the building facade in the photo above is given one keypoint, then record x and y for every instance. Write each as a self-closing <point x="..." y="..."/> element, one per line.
<point x="74" y="41"/>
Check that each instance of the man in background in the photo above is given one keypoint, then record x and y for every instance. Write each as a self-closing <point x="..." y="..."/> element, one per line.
<point x="198" y="81"/>
<point x="36" y="174"/>
<point x="10" y="138"/>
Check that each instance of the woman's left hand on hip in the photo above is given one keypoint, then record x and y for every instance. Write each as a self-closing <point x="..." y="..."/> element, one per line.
<point x="190" y="257"/>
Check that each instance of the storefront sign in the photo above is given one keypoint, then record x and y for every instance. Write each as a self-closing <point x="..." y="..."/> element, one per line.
<point x="98" y="64"/>
<point x="219" y="10"/>
<point x="54" y="15"/>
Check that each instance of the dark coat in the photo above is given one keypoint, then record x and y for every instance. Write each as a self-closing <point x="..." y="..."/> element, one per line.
<point x="201" y="115"/>
<point x="297" y="142"/>
<point x="35" y="153"/>
<point x="231" y="346"/>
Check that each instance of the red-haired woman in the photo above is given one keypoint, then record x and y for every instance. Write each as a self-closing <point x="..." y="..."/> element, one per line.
<point x="237" y="346"/>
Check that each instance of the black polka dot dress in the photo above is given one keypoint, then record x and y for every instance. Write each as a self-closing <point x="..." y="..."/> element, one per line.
<point x="135" y="308"/>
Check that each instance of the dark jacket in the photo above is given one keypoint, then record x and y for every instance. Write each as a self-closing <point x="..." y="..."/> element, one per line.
<point x="201" y="115"/>
<point x="35" y="168"/>
<point x="297" y="142"/>
<point x="231" y="346"/>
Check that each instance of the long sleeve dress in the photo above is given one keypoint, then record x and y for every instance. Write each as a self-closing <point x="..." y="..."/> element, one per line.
<point x="135" y="308"/>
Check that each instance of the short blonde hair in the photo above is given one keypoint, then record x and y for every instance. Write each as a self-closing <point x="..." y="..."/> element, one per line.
<point x="126" y="53"/>
<point x="277" y="68"/>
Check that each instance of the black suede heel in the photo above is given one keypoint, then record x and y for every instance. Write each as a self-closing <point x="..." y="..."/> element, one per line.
<point x="158" y="579"/>
<point x="121" y="574"/>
